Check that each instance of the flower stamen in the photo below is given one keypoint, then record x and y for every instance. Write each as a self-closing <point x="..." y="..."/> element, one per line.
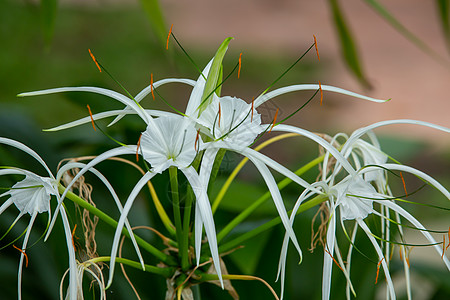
<point x="24" y="254"/>
<point x="197" y="140"/>
<point x="219" y="114"/>
<point x="274" y="120"/>
<point x="404" y="184"/>
<point x="443" y="247"/>
<point x="378" y="270"/>
<point x="321" y="93"/>
<point x="251" y="118"/>
<point x="315" y="45"/>
<point x="333" y="259"/>
<point x="240" y="64"/>
<point x="168" y="36"/>
<point x="151" y="86"/>
<point x="92" y="118"/>
<point x="95" y="60"/>
<point x="137" y="148"/>
<point x="73" y="234"/>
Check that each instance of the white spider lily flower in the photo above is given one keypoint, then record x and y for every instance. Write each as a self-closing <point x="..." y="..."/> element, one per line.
<point x="32" y="195"/>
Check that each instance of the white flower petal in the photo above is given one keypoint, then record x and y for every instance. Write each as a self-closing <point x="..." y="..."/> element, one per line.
<point x="303" y="87"/>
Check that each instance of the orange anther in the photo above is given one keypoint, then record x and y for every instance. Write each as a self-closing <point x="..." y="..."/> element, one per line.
<point x="315" y="45"/>
<point x="92" y="118"/>
<point x="274" y="120"/>
<point x="404" y="184"/>
<point x="251" y="119"/>
<point x="73" y="234"/>
<point x="151" y="85"/>
<point x="378" y="270"/>
<point x="443" y="248"/>
<point x="220" y="114"/>
<point x="93" y="58"/>
<point x="168" y="36"/>
<point x="137" y="148"/>
<point x="197" y="140"/>
<point x="321" y="93"/>
<point x="23" y="252"/>
<point x="240" y="64"/>
<point x="448" y="238"/>
<point x="334" y="260"/>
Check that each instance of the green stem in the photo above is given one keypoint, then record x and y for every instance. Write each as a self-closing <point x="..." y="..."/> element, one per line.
<point x="242" y="238"/>
<point x="186" y="228"/>
<point x="165" y="272"/>
<point x="176" y="209"/>
<point x="282" y="184"/>
<point x="110" y="221"/>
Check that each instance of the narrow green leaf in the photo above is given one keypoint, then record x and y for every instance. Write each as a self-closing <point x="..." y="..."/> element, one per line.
<point x="387" y="16"/>
<point x="444" y="12"/>
<point x="156" y="18"/>
<point x="48" y="16"/>
<point x="347" y="44"/>
<point x="213" y="76"/>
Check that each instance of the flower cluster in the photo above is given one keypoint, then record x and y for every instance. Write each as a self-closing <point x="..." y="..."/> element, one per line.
<point x="353" y="183"/>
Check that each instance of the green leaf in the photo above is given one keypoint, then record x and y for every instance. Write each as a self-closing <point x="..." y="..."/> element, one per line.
<point x="444" y="12"/>
<point x="347" y="44"/>
<point x="214" y="75"/>
<point x="48" y="15"/>
<point x="387" y="16"/>
<point x="156" y="18"/>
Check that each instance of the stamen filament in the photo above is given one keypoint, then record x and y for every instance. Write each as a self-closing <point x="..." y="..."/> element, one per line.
<point x="24" y="254"/>
<point x="274" y="120"/>
<point x="92" y="118"/>
<point x="168" y="36"/>
<point x="95" y="60"/>
<point x="315" y="45"/>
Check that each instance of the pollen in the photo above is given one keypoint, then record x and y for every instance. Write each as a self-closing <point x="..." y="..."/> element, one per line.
<point x="92" y="118"/>
<point x="404" y="184"/>
<point x="274" y="120"/>
<point x="151" y="86"/>
<point x="240" y="64"/>
<point x="378" y="270"/>
<point x="321" y="93"/>
<point x="137" y="148"/>
<point x="95" y="60"/>
<point x="168" y="37"/>
<point x="24" y="254"/>
<point x="315" y="45"/>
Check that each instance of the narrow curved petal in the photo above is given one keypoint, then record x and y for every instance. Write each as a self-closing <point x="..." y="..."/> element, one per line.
<point x="113" y="152"/>
<point x="328" y="256"/>
<point x="366" y="229"/>
<point x="108" y="185"/>
<point x="72" y="259"/>
<point x="22" y="255"/>
<point x="28" y="150"/>
<point x="197" y="92"/>
<point x="397" y="208"/>
<point x="204" y="208"/>
<point x="304" y="87"/>
<point x="126" y="209"/>
<point x="109" y="93"/>
<point x="338" y="155"/>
